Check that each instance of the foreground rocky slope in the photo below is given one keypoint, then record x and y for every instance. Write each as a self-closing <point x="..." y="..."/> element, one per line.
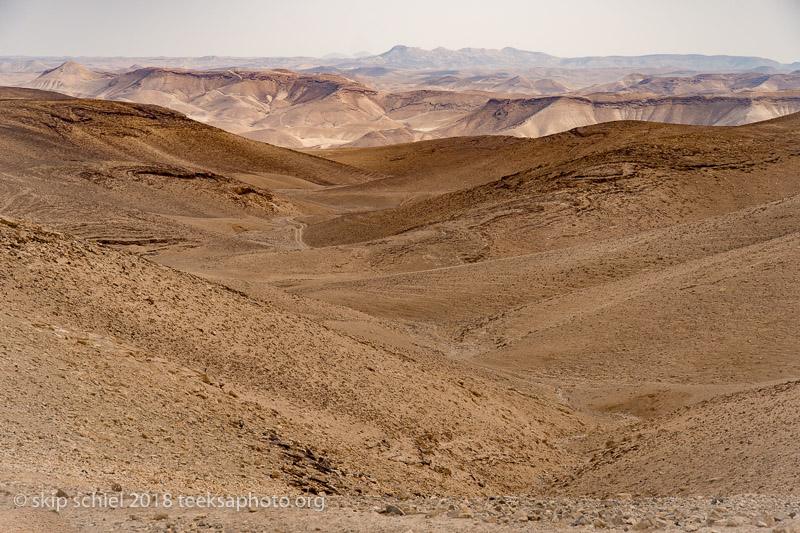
<point x="440" y="515"/>
<point x="134" y="170"/>
<point x="609" y="271"/>
<point x="721" y="442"/>
<point x="145" y="356"/>
<point x="427" y="326"/>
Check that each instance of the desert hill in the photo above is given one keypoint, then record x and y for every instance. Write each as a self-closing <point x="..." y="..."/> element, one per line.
<point x="169" y="329"/>
<point x="610" y="155"/>
<point x="702" y="84"/>
<point x="624" y="268"/>
<point x="470" y="316"/>
<point x="93" y="129"/>
<point x="72" y="78"/>
<point x="155" y="177"/>
<point x="329" y="110"/>
<point x="536" y="117"/>
<point x="721" y="441"/>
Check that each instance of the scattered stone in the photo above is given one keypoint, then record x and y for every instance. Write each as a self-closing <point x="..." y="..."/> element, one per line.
<point x="61" y="493"/>
<point x="791" y="527"/>
<point x="578" y="521"/>
<point x="584" y="514"/>
<point x="393" y="510"/>
<point x="767" y="519"/>
<point x="465" y="512"/>
<point x="735" y="521"/>
<point x="618" y="520"/>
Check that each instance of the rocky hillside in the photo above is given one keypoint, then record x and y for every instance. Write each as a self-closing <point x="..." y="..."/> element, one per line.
<point x="328" y="110"/>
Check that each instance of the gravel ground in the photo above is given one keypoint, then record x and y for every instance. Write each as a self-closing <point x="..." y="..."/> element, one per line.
<point x="507" y="513"/>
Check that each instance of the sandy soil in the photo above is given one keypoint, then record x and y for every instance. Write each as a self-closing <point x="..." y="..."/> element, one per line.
<point x="610" y="312"/>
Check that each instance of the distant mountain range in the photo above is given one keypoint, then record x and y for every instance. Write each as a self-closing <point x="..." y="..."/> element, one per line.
<point x="412" y="58"/>
<point x="406" y="57"/>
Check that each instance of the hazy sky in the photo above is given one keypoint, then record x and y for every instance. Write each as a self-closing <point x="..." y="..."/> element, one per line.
<point x="768" y="28"/>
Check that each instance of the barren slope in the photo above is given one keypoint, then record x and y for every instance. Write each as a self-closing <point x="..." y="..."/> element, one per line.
<point x="378" y="420"/>
<point x="535" y="117"/>
<point x="701" y="84"/>
<point x="720" y="445"/>
<point x="322" y="109"/>
<point x="574" y="183"/>
<point x="94" y="130"/>
<point x="643" y="269"/>
<point x="654" y="306"/>
<point x="136" y="174"/>
<point x="468" y="316"/>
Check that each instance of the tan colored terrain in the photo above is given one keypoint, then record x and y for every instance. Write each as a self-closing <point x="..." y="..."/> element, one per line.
<point x="275" y="106"/>
<point x="535" y="117"/>
<point x="273" y="357"/>
<point x="214" y="383"/>
<point x="639" y="267"/>
<point x="611" y="309"/>
<point x="703" y="83"/>
<point x="712" y="448"/>
<point x="308" y="110"/>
